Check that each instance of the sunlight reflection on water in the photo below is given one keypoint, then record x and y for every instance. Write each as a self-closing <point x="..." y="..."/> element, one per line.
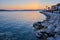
<point x="24" y="16"/>
<point x="19" y="24"/>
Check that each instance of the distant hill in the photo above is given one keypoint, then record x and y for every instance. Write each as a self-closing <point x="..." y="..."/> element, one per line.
<point x="18" y="10"/>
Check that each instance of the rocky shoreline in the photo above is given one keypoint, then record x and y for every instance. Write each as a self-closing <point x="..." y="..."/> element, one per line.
<point x="49" y="28"/>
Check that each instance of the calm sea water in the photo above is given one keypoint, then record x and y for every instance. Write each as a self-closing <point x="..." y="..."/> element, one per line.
<point x="17" y="25"/>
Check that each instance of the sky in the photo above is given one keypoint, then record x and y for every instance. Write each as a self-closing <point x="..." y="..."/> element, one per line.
<point x="26" y="4"/>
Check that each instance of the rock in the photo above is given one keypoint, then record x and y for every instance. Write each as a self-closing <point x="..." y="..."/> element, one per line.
<point x="49" y="26"/>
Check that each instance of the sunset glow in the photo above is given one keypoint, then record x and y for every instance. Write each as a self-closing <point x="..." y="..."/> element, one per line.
<point x="26" y="4"/>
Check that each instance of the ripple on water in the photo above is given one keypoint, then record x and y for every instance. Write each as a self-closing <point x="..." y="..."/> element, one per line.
<point x="17" y="25"/>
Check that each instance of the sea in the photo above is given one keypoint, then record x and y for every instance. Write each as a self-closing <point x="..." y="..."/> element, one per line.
<point x="18" y="25"/>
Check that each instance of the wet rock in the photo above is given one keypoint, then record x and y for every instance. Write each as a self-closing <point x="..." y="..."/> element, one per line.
<point x="49" y="27"/>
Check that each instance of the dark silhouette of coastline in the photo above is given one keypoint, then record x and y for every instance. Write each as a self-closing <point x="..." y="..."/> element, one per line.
<point x="18" y="10"/>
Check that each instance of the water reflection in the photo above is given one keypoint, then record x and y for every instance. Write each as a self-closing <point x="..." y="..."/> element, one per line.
<point x="19" y="24"/>
<point x="24" y="16"/>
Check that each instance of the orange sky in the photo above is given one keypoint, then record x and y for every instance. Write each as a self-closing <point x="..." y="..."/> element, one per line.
<point x="26" y="4"/>
<point x="22" y="7"/>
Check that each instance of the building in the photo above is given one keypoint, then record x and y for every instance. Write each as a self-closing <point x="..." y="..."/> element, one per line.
<point x="54" y="7"/>
<point x="58" y="6"/>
